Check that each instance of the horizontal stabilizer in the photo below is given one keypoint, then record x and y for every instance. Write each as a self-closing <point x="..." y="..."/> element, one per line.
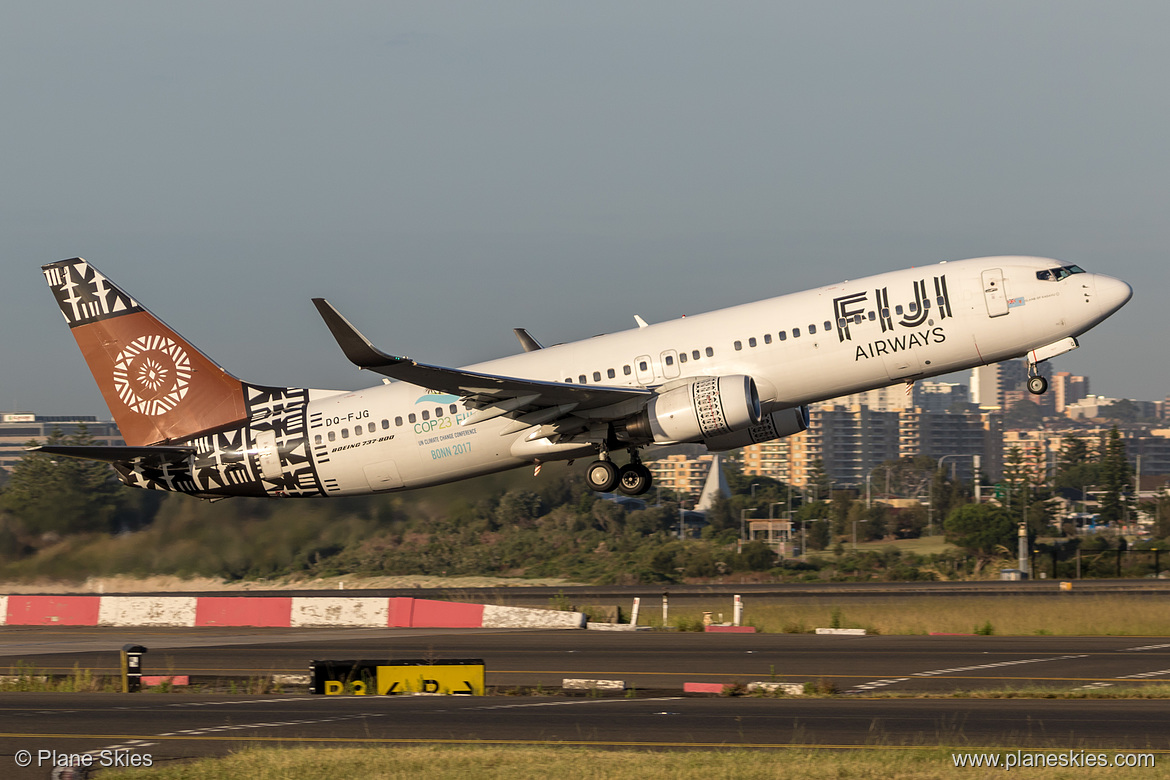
<point x="116" y="454"/>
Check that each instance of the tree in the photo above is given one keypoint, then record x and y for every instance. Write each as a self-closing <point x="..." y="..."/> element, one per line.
<point x="1116" y="477"/>
<point x="819" y="486"/>
<point x="981" y="530"/>
<point x="48" y="495"/>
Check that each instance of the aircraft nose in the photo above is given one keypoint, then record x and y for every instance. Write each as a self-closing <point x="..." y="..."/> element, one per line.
<point x="1112" y="294"/>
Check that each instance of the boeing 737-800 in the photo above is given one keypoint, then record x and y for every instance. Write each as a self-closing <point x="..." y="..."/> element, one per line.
<point x="725" y="379"/>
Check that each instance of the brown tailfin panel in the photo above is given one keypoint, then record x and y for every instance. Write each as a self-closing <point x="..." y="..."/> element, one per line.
<point x="158" y="386"/>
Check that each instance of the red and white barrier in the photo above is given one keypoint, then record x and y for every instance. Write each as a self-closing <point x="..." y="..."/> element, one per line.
<point x="274" y="612"/>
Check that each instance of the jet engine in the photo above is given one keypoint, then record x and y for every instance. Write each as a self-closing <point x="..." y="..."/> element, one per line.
<point x="776" y="425"/>
<point x="697" y="409"/>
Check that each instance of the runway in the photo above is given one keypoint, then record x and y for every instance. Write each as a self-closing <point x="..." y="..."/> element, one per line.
<point x="644" y="660"/>
<point x="654" y="665"/>
<point x="168" y="728"/>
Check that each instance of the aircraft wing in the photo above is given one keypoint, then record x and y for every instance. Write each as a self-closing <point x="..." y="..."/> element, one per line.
<point x="535" y="401"/>
<point x="115" y="454"/>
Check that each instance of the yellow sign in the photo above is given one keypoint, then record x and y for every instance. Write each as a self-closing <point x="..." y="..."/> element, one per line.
<point x="466" y="679"/>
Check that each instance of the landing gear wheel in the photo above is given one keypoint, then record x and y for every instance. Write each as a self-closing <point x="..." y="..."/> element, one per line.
<point x="634" y="479"/>
<point x="1037" y="385"/>
<point x="602" y="476"/>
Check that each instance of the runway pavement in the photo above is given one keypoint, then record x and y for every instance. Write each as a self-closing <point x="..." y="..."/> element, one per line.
<point x="161" y="728"/>
<point x="644" y="660"/>
<point x="654" y="664"/>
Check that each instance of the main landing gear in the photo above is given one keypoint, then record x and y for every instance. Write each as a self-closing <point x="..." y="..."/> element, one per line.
<point x="633" y="479"/>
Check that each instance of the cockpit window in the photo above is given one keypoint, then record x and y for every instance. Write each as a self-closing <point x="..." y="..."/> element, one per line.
<point x="1056" y="274"/>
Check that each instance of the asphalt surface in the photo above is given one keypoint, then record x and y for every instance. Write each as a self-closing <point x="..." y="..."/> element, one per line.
<point x="162" y="728"/>
<point x="655" y="664"/>
<point x="644" y="660"/>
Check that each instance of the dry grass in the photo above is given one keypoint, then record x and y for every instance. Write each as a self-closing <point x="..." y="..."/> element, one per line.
<point x="455" y="762"/>
<point x="1067" y="615"/>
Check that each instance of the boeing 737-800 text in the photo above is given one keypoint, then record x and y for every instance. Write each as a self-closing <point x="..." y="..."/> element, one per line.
<point x="726" y="379"/>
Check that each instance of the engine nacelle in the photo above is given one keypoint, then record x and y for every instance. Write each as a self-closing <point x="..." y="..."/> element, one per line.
<point x="699" y="409"/>
<point x="776" y="425"/>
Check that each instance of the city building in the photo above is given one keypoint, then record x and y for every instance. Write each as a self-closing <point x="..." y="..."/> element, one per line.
<point x="17" y="429"/>
<point x="683" y="474"/>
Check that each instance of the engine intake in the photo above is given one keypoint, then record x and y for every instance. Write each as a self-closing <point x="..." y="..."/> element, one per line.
<point x="700" y="409"/>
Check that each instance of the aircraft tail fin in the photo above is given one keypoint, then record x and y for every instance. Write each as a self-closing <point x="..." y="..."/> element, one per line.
<point x="158" y="386"/>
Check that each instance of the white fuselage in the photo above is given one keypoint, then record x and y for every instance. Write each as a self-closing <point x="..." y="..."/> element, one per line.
<point x="800" y="348"/>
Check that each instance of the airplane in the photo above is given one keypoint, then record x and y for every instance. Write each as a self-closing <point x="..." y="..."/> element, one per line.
<point x="725" y="379"/>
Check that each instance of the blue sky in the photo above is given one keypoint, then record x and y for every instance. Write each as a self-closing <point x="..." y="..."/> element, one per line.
<point x="444" y="172"/>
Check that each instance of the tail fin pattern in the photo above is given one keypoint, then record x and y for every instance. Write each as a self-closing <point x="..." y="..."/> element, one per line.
<point x="158" y="386"/>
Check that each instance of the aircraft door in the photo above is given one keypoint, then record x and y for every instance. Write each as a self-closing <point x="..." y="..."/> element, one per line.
<point x="670" y="367"/>
<point x="269" y="455"/>
<point x="644" y="370"/>
<point x="993" y="293"/>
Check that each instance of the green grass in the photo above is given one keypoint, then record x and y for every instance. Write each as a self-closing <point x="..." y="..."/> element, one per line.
<point x="490" y="762"/>
<point x="925" y="545"/>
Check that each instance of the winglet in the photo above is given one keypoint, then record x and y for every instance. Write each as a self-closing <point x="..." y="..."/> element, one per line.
<point x="641" y="322"/>
<point x="356" y="347"/>
<point x="530" y="344"/>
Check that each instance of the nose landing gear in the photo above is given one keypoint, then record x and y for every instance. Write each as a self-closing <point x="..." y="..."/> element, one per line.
<point x="1037" y="385"/>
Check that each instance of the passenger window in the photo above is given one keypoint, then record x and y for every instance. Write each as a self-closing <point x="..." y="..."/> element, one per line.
<point x="694" y="354"/>
<point x="398" y="421"/>
<point x="371" y="427"/>
<point x="642" y="366"/>
<point x="812" y="329"/>
<point x="582" y="380"/>
<point x="872" y="316"/>
<point x="752" y="341"/>
<point x="627" y="370"/>
<point x="842" y="322"/>
<point x="596" y="376"/>
<point x="438" y="412"/>
<point x="767" y="338"/>
<point x="332" y="436"/>
<point x="682" y="357"/>
<point x="856" y="319"/>
<point x="710" y="352"/>
<point x="913" y="308"/>
<point x="611" y="373"/>
<point x="784" y="335"/>
<point x="426" y="415"/>
<point x="885" y="314"/>
<point x="738" y="346"/>
<point x="357" y="431"/>
<point x="412" y="417"/>
<point x="828" y="325"/>
<point x="345" y="433"/>
<point x="454" y="409"/>
<point x="669" y="360"/>
<point x="940" y="301"/>
<point x="568" y="381"/>
<point x="796" y="333"/>
<point x="385" y="425"/>
<point x="898" y="310"/>
<point x="317" y="439"/>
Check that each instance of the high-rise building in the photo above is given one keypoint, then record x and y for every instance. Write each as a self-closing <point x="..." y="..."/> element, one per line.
<point x="1067" y="388"/>
<point x="992" y="385"/>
